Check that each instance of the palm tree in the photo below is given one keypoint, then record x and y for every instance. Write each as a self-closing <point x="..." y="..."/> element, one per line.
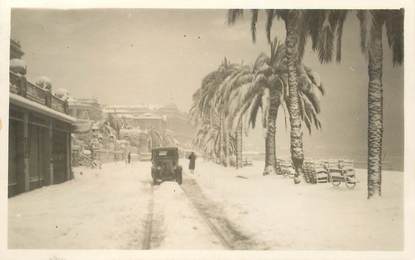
<point x="264" y="86"/>
<point x="372" y="23"/>
<point x="206" y="139"/>
<point x="205" y="109"/>
<point x="267" y="83"/>
<point x="295" y="26"/>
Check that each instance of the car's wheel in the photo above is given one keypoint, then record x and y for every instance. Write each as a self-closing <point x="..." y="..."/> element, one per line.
<point x="179" y="178"/>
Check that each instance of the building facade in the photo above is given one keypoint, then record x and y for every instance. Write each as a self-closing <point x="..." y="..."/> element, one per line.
<point x="39" y="135"/>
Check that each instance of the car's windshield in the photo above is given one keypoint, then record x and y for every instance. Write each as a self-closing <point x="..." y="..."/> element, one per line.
<point x="163" y="153"/>
<point x="166" y="154"/>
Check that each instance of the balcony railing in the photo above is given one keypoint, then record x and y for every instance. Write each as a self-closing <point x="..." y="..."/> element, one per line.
<point x="20" y="86"/>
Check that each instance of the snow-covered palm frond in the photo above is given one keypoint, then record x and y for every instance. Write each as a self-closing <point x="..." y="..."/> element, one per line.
<point x="260" y="61"/>
<point x="315" y="79"/>
<point x="308" y="80"/>
<point x="325" y="46"/>
<point x="247" y="92"/>
<point x="226" y="87"/>
<point x="308" y="113"/>
<point x="206" y="139"/>
<point x="278" y="51"/>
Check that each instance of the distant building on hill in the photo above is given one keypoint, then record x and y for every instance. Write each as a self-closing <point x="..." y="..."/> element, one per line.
<point x="159" y="117"/>
<point x="85" y="109"/>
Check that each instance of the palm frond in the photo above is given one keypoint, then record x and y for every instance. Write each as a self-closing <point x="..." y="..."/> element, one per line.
<point x="254" y="20"/>
<point x="234" y="15"/>
<point x="325" y="45"/>
<point x="395" y="34"/>
<point x="302" y="35"/>
<point x="314" y="21"/>
<point x="340" y="19"/>
<point x="270" y="17"/>
<point x="315" y="79"/>
<point x="366" y="22"/>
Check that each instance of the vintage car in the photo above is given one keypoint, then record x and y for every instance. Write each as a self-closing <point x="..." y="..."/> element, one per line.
<point x="165" y="165"/>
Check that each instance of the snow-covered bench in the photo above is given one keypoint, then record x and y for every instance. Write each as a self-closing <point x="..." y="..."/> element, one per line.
<point x="341" y="171"/>
<point x="286" y="168"/>
<point x="315" y="172"/>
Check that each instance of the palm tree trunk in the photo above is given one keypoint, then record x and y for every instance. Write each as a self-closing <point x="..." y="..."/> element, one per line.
<point x="239" y="145"/>
<point x="375" y="107"/>
<point x="270" y="145"/>
<point x="291" y="42"/>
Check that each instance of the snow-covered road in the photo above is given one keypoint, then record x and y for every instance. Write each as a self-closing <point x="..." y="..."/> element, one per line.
<point x="118" y="208"/>
<point x="115" y="207"/>
<point x="177" y="224"/>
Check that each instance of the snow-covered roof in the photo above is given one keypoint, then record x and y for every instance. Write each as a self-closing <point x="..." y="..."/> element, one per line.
<point x="128" y="116"/>
<point x="149" y="116"/>
<point x="130" y="108"/>
<point x="86" y="102"/>
<point x="26" y="103"/>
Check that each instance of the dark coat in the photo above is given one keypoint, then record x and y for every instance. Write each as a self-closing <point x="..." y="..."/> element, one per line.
<point x="192" y="161"/>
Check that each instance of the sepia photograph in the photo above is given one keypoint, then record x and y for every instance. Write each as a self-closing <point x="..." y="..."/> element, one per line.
<point x="206" y="129"/>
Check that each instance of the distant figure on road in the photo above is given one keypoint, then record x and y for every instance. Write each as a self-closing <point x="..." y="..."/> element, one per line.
<point x="192" y="162"/>
<point x="129" y="157"/>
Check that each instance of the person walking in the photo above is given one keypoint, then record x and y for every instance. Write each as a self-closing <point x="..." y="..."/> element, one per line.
<point x="192" y="162"/>
<point x="129" y="157"/>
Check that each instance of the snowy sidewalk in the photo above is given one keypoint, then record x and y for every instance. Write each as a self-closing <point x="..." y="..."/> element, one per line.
<point x="287" y="216"/>
<point x="98" y="209"/>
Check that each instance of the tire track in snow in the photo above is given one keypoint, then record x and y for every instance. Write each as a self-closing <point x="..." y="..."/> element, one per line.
<point x="153" y="234"/>
<point x="148" y="225"/>
<point x="227" y="232"/>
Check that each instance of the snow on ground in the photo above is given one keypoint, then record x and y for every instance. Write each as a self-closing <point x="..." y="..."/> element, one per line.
<point x="98" y="209"/>
<point x="305" y="216"/>
<point x="108" y="208"/>
<point x="182" y="227"/>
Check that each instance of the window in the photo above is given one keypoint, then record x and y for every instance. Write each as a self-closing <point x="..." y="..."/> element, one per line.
<point x="162" y="153"/>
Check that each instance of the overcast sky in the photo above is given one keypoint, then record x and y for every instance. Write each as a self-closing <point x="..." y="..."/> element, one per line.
<point x="160" y="56"/>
